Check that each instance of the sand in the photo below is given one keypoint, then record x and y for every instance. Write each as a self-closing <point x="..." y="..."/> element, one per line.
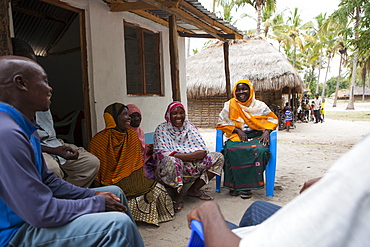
<point x="304" y="153"/>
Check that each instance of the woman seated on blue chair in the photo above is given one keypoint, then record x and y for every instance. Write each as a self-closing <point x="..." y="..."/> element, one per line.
<point x="247" y="123"/>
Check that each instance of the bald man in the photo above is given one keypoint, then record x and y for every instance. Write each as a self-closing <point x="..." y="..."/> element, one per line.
<point x="36" y="207"/>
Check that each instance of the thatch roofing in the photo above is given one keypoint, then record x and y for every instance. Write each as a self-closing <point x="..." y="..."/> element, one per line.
<point x="253" y="59"/>
<point x="358" y="90"/>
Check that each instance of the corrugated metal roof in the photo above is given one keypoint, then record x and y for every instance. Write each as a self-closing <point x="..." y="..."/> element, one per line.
<point x="187" y="7"/>
<point x="200" y="7"/>
<point x="42" y="24"/>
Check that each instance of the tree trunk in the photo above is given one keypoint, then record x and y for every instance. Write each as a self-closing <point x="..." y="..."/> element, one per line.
<point x="351" y="105"/>
<point x="326" y="75"/>
<point x="5" y="41"/>
<point x="363" y="77"/>
<point x="312" y="73"/>
<point x="318" y="77"/>
<point x="338" y="82"/>
<point x="259" y="17"/>
<point x="351" y="102"/>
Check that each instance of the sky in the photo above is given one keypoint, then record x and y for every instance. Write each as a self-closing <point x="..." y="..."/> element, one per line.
<point x="307" y="10"/>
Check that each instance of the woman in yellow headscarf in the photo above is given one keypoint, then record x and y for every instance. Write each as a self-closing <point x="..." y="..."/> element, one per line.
<point x="247" y="123"/>
<point x="121" y="163"/>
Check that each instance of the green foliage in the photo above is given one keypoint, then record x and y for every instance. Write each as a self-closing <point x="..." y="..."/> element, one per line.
<point x="347" y="13"/>
<point x="332" y="84"/>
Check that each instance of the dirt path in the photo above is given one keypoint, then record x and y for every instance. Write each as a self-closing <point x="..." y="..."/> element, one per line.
<point x="307" y="152"/>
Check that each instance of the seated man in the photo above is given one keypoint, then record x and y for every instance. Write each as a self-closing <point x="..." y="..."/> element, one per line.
<point x="67" y="161"/>
<point x="36" y="207"/>
<point x="335" y="211"/>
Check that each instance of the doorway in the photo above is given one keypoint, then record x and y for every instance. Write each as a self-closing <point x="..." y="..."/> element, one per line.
<point x="56" y="32"/>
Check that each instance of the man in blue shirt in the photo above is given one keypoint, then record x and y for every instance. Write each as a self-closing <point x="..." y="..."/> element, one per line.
<point x="74" y="164"/>
<point x="36" y="207"/>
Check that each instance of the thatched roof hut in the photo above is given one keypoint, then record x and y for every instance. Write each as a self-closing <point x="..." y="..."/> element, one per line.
<point x="358" y="92"/>
<point x="253" y="59"/>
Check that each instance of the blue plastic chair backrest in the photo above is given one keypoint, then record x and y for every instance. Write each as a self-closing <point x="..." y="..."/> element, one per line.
<point x="219" y="140"/>
<point x="149" y="138"/>
<point x="196" y="236"/>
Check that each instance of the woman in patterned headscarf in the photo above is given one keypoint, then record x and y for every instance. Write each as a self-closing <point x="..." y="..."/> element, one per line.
<point x="121" y="163"/>
<point x="182" y="156"/>
<point x="247" y="123"/>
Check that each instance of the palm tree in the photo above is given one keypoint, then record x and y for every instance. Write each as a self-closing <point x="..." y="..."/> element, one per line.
<point x="347" y="12"/>
<point x="259" y="5"/>
<point x="227" y="8"/>
<point x="365" y="69"/>
<point x="320" y="33"/>
<point x="294" y="30"/>
<point x="343" y="53"/>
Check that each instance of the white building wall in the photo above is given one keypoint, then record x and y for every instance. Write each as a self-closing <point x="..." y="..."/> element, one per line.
<point x="106" y="64"/>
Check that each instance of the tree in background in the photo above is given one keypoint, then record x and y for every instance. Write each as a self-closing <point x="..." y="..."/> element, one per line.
<point x="352" y="11"/>
<point x="343" y="54"/>
<point x="259" y="5"/>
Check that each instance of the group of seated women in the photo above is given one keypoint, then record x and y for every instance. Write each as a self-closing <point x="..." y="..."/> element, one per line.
<point x="146" y="173"/>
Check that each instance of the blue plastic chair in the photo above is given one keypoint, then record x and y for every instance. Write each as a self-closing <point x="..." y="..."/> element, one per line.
<point x="149" y="138"/>
<point x="196" y="236"/>
<point x="270" y="168"/>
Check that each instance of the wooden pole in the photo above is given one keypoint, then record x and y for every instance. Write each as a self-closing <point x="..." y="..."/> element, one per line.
<point x="227" y="70"/>
<point x="5" y="41"/>
<point x="174" y="59"/>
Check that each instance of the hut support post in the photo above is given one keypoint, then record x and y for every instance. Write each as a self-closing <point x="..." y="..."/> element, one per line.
<point x="174" y="59"/>
<point x="227" y="69"/>
<point x="5" y="41"/>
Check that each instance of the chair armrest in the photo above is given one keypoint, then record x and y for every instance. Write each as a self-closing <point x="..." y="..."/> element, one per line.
<point x="197" y="235"/>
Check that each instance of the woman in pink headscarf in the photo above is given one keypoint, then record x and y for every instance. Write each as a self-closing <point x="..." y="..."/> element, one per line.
<point x="182" y="156"/>
<point x="135" y="114"/>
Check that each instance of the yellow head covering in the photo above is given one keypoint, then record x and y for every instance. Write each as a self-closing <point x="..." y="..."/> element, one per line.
<point x="251" y="92"/>
<point x="252" y="112"/>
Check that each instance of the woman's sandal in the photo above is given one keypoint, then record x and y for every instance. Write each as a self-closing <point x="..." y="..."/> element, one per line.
<point x="246" y="195"/>
<point x="203" y="196"/>
<point x="177" y="206"/>
<point x="233" y="193"/>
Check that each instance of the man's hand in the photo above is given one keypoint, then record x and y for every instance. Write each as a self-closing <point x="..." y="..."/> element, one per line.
<point x="112" y="202"/>
<point x="67" y="152"/>
<point x="63" y="151"/>
<point x="309" y="183"/>
<point x="216" y="231"/>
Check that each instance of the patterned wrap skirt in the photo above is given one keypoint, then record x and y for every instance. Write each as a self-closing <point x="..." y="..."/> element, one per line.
<point x="174" y="172"/>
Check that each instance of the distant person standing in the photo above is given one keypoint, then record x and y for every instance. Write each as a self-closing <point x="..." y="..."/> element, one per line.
<point x="306" y="106"/>
<point x="322" y="110"/>
<point x="288" y="118"/>
<point x="317" y="108"/>
<point x="311" y="111"/>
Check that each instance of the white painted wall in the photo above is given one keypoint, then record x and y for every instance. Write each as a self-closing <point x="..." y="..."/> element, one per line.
<point x="106" y="64"/>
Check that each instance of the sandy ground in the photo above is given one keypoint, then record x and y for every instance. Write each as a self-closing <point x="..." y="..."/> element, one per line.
<point x="304" y="153"/>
